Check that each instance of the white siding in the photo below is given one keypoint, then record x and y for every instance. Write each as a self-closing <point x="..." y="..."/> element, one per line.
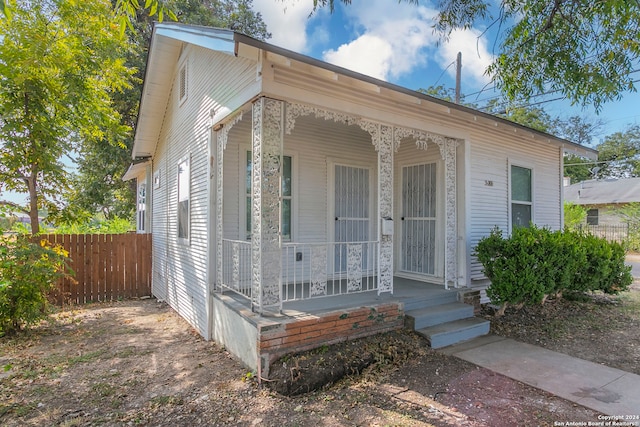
<point x="313" y="146"/>
<point x="180" y="276"/>
<point x="489" y="192"/>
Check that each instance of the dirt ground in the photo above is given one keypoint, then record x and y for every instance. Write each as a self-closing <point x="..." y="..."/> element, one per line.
<point x="137" y="363"/>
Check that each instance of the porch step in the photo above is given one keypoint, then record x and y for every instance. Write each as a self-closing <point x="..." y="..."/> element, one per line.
<point x="430" y="300"/>
<point x="435" y="315"/>
<point x="454" y="332"/>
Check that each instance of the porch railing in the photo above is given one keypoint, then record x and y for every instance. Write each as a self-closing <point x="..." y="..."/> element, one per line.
<point x="309" y="270"/>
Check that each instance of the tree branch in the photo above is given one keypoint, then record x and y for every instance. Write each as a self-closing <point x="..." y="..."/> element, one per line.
<point x="14" y="206"/>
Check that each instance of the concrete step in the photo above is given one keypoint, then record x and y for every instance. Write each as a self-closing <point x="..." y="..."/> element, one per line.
<point x="454" y="332"/>
<point x="416" y="303"/>
<point x="430" y="316"/>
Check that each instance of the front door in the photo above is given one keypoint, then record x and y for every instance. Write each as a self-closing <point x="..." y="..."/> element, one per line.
<point x="352" y="211"/>
<point x="418" y="241"/>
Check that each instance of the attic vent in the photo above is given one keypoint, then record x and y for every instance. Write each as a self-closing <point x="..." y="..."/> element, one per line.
<point x="182" y="77"/>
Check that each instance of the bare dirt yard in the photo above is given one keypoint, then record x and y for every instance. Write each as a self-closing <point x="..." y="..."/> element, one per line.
<point x="137" y="363"/>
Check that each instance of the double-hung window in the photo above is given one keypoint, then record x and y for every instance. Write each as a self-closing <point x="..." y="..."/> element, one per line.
<point x="142" y="206"/>
<point x="521" y="196"/>
<point x="184" y="196"/>
<point x="286" y="196"/>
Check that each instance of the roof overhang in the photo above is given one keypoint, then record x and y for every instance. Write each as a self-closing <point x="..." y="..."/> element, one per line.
<point x="135" y="170"/>
<point x="168" y="40"/>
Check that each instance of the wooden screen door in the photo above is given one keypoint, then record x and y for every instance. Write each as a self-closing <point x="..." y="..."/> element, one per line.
<point x="418" y="245"/>
<point x="352" y="210"/>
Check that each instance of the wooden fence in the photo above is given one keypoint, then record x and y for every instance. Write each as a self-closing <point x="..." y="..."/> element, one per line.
<point x="107" y="267"/>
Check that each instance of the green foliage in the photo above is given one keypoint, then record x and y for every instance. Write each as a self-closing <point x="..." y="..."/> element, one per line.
<point x="604" y="268"/>
<point x="61" y="61"/>
<point x="27" y="272"/>
<point x="630" y="214"/>
<point x="578" y="168"/>
<point x="97" y="225"/>
<point x="98" y="188"/>
<point x="574" y="215"/>
<point x="536" y="262"/>
<point x="620" y="154"/>
<point x="541" y="52"/>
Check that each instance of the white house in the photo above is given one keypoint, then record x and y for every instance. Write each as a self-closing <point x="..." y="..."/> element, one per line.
<point x="271" y="180"/>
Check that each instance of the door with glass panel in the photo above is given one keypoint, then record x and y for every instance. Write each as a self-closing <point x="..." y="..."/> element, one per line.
<point x="352" y="211"/>
<point x="418" y="241"/>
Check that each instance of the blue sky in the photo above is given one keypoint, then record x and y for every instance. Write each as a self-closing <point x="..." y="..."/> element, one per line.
<point x="395" y="42"/>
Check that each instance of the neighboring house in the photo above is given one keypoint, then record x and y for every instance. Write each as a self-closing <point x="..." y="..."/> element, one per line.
<point x="294" y="203"/>
<point x="604" y="198"/>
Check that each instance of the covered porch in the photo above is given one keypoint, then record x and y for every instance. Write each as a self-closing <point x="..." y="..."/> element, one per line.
<point x="350" y="243"/>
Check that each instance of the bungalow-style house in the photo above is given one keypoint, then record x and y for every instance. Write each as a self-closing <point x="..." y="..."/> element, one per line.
<point x="294" y="203"/>
<point x="603" y="198"/>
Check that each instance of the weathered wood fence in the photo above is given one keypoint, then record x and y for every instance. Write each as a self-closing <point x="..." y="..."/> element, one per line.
<point x="107" y="267"/>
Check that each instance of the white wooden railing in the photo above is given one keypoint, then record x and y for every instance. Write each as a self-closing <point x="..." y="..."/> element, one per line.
<point x="309" y="270"/>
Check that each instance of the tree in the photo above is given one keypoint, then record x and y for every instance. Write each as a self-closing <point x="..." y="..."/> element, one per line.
<point x="585" y="50"/>
<point x="98" y="185"/>
<point x="59" y="62"/>
<point x="620" y="154"/>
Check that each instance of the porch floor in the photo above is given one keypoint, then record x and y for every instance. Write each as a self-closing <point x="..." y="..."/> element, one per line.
<point x="404" y="290"/>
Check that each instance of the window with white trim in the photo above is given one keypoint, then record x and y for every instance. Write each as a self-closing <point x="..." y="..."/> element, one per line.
<point x="142" y="206"/>
<point x="286" y="196"/>
<point x="521" y="196"/>
<point x="592" y="217"/>
<point x="184" y="196"/>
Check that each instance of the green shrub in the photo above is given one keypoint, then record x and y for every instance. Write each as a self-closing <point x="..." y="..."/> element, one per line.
<point x="574" y="215"/>
<point x="536" y="262"/>
<point x="603" y="269"/>
<point x="28" y="271"/>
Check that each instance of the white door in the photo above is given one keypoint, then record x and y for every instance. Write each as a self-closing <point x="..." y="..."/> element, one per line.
<point x="352" y="210"/>
<point x="418" y="245"/>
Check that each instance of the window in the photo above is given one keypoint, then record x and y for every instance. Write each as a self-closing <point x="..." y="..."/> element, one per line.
<point x="156" y="179"/>
<point x="182" y="83"/>
<point x="521" y="197"/>
<point x="286" y="196"/>
<point x="592" y="217"/>
<point x="142" y="206"/>
<point x="184" y="214"/>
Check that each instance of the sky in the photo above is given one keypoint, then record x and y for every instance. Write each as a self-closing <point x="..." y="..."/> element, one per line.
<point x="395" y="42"/>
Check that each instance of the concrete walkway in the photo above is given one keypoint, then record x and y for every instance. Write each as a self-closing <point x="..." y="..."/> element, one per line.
<point x="598" y="387"/>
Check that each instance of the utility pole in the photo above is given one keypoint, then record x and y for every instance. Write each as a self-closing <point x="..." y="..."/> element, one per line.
<point x="458" y="75"/>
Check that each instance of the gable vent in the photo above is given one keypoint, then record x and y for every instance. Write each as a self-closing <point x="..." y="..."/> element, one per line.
<point x="182" y="77"/>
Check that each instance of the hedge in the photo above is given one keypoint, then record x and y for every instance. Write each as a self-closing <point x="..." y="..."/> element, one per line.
<point x="534" y="263"/>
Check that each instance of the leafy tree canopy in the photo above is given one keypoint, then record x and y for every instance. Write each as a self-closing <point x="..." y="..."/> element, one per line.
<point x="59" y="62"/>
<point x="620" y="154"/>
<point x="585" y="50"/>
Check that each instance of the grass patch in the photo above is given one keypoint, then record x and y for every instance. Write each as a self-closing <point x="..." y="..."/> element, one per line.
<point x="166" y="400"/>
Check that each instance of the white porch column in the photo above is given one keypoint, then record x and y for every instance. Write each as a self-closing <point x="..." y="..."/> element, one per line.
<point x="222" y="134"/>
<point x="448" y="148"/>
<point x="385" y="203"/>
<point x="266" y="253"/>
<point x="383" y="141"/>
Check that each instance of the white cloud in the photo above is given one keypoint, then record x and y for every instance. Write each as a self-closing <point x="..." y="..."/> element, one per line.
<point x="287" y="21"/>
<point x="475" y="56"/>
<point x="391" y="39"/>
<point x="368" y="54"/>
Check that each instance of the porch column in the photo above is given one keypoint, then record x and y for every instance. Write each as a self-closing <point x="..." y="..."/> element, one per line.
<point x="382" y="139"/>
<point x="266" y="253"/>
<point x="385" y="207"/>
<point x="448" y="152"/>
<point x="222" y="136"/>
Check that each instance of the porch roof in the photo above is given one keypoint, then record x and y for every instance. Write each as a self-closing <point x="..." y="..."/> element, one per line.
<point x="166" y="44"/>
